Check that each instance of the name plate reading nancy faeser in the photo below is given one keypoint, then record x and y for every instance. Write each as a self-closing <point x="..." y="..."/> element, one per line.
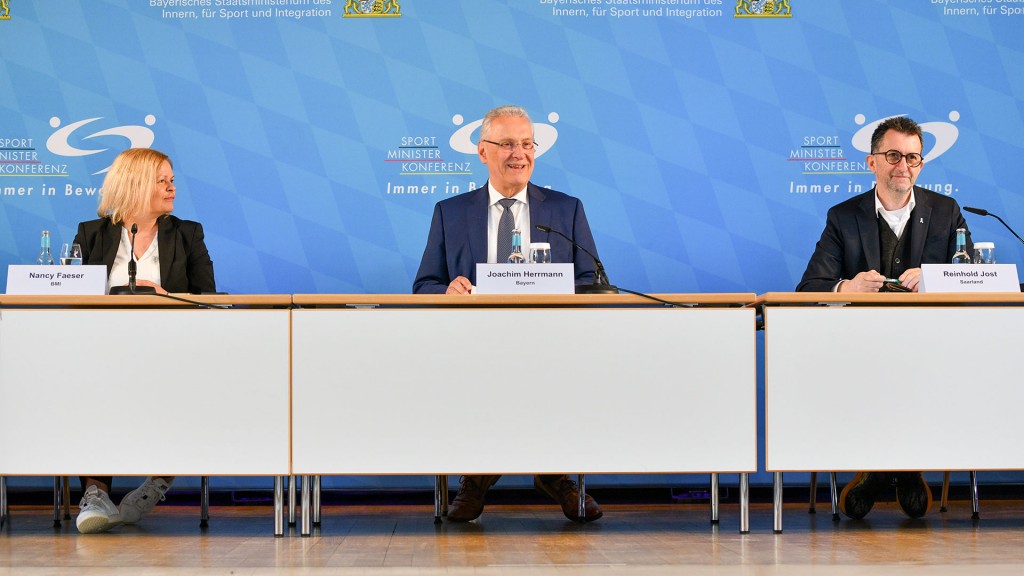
<point x="35" y="280"/>
<point x="969" y="278"/>
<point x="525" y="279"/>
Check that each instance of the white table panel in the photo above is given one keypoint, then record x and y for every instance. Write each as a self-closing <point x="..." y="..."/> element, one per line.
<point x="893" y="388"/>
<point x="425" y="391"/>
<point x="139" y="392"/>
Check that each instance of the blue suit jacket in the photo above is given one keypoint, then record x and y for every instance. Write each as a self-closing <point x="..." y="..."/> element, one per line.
<point x="458" y="236"/>
<point x="850" y="245"/>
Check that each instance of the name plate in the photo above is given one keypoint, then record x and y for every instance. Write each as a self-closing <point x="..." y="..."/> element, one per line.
<point x="969" y="278"/>
<point x="35" y="280"/>
<point x="525" y="279"/>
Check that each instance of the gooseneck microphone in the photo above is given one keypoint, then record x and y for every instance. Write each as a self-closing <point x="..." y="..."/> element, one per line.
<point x="132" y="273"/>
<point x="601" y="284"/>
<point x="983" y="212"/>
<point x="132" y="267"/>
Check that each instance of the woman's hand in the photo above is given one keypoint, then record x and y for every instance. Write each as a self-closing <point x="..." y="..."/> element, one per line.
<point x="159" y="289"/>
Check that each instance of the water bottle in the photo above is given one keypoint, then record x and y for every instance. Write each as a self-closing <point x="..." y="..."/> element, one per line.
<point x="45" y="258"/>
<point x="517" y="256"/>
<point x="961" y="256"/>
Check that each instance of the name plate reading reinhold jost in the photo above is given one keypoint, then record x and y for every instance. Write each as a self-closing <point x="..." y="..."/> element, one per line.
<point x="969" y="278"/>
<point x="525" y="279"/>
<point x="35" y="280"/>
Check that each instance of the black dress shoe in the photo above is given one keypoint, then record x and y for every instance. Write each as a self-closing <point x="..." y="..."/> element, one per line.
<point x="567" y="494"/>
<point x="913" y="494"/>
<point x="859" y="495"/>
<point x="469" y="502"/>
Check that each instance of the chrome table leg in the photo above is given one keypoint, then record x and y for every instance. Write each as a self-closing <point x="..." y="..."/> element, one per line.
<point x="582" y="478"/>
<point x="316" y="500"/>
<point x="278" y="506"/>
<point x="777" y="503"/>
<point x="714" y="497"/>
<point x="306" y="519"/>
<point x="204" y="501"/>
<point x="744" y="503"/>
<point x="58" y="491"/>
<point x="291" y="499"/>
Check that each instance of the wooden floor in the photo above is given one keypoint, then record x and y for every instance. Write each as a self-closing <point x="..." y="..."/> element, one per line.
<point x="526" y="539"/>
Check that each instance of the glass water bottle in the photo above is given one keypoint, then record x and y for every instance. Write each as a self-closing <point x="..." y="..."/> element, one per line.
<point x="961" y="256"/>
<point x="45" y="257"/>
<point x="517" y="257"/>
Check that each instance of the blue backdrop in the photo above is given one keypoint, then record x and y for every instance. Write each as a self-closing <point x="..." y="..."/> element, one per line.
<point x="706" y="138"/>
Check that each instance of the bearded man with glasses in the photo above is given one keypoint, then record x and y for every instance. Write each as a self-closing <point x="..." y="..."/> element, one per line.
<point x="881" y="238"/>
<point x="890" y="230"/>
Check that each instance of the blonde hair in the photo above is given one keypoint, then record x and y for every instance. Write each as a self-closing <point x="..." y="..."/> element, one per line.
<point x="128" y="186"/>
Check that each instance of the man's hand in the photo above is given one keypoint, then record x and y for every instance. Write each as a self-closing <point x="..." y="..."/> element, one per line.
<point x="869" y="281"/>
<point x="460" y="285"/>
<point x="911" y="278"/>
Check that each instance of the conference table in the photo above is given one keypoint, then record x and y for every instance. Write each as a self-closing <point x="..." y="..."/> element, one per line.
<point x="587" y="384"/>
<point x="915" y="382"/>
<point x="313" y="385"/>
<point x="143" y="385"/>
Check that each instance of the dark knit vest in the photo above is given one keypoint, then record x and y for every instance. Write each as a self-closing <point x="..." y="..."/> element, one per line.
<point x="895" y="254"/>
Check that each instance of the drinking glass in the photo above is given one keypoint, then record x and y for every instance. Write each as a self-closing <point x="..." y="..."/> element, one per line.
<point x="70" y="254"/>
<point x="540" y="252"/>
<point x="984" y="253"/>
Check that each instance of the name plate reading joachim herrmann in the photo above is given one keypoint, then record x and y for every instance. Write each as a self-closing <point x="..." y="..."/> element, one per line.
<point x="525" y="279"/>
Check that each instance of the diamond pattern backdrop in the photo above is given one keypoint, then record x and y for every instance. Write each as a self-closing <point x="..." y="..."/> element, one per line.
<point x="676" y="132"/>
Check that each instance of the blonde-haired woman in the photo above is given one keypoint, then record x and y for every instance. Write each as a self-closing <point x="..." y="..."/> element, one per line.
<point x="170" y="252"/>
<point x="171" y="256"/>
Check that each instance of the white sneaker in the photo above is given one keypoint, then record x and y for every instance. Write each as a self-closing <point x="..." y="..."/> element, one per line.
<point x="143" y="499"/>
<point x="96" y="512"/>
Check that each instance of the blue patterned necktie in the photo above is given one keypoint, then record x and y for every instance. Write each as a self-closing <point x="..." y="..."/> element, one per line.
<point x="505" y="226"/>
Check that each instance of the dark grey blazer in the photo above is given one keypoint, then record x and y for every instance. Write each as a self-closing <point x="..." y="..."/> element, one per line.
<point x="850" y="245"/>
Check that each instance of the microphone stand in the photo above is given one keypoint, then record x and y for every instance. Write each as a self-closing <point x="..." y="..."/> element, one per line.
<point x="131" y="288"/>
<point x="983" y="212"/>
<point x="601" y="285"/>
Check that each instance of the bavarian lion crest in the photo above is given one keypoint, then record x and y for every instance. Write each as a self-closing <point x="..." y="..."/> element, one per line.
<point x="762" y="9"/>
<point x="372" y="9"/>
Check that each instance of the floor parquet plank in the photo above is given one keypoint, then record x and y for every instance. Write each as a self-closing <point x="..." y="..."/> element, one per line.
<point x="641" y="540"/>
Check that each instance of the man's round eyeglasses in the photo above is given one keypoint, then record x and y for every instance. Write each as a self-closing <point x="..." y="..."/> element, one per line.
<point x="894" y="156"/>
<point x="508" y="146"/>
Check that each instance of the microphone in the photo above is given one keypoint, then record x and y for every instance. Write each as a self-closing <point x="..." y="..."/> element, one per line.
<point x="132" y="268"/>
<point x="601" y="284"/>
<point x="983" y="212"/>
<point x="132" y="273"/>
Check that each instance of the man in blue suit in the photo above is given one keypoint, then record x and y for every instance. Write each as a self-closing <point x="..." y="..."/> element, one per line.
<point x="464" y="232"/>
<point x="464" y="228"/>
<point x="886" y="233"/>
